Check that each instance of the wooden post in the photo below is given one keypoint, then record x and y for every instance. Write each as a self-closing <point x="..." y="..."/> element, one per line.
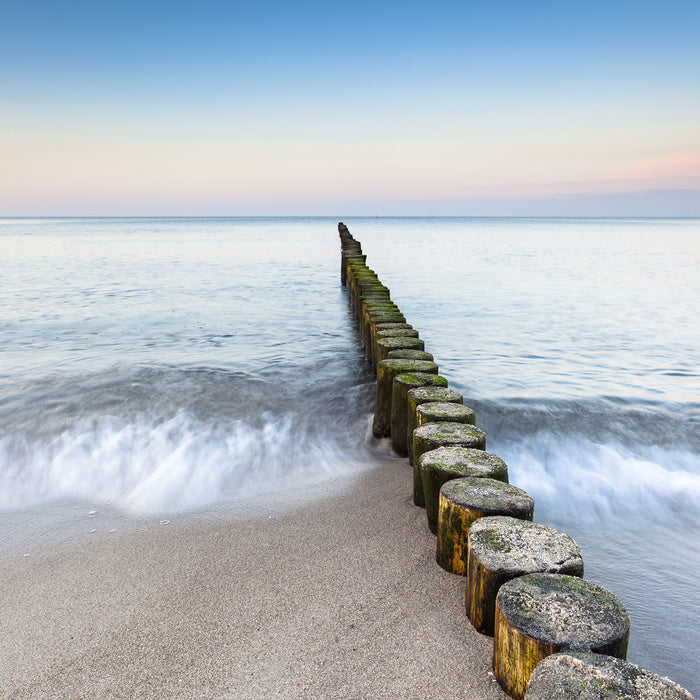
<point x="500" y="548"/>
<point x="464" y="500"/>
<point x="415" y="398"/>
<point x="403" y="383"/>
<point x="588" y="676"/>
<point x="434" y="435"/>
<point x="386" y="371"/>
<point x="542" y="614"/>
<point x="437" y="467"/>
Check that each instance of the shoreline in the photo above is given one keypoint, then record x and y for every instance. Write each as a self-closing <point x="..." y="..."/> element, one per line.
<point x="338" y="598"/>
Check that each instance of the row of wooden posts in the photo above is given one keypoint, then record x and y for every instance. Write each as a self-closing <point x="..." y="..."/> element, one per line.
<point x="556" y="635"/>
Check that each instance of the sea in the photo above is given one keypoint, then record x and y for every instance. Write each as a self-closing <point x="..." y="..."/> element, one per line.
<point x="155" y="370"/>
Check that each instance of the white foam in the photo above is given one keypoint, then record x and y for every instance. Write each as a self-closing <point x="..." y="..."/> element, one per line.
<point x="147" y="466"/>
<point x="604" y="482"/>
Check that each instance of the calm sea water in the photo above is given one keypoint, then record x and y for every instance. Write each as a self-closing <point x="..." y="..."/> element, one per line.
<point x="155" y="367"/>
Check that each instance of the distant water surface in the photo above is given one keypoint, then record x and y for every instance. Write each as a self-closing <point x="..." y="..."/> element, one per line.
<point x="155" y="367"/>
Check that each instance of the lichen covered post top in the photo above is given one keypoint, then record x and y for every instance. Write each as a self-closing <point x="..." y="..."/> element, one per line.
<point x="564" y="611"/>
<point x="514" y="546"/>
<point x="410" y="380"/>
<point x="448" y="432"/>
<point x="392" y="332"/>
<point x="394" y="342"/>
<point x="408" y="354"/>
<point x="464" y="460"/>
<point x="587" y="676"/>
<point x="488" y="496"/>
<point x="408" y="366"/>
<point x="423" y="394"/>
<point x="445" y="411"/>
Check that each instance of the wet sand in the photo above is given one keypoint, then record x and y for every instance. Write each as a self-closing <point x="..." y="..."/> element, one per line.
<point x="341" y="598"/>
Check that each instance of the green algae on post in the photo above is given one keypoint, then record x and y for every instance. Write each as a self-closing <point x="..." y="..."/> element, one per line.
<point x="406" y="354"/>
<point x="589" y="676"/>
<point x="422" y="395"/>
<point x="384" y="345"/>
<point x="403" y="383"/>
<point x="386" y="332"/>
<point x="435" y="412"/>
<point x="353" y="254"/>
<point x="464" y="500"/>
<point x="370" y="319"/>
<point x="542" y="614"/>
<point x="443" y="464"/>
<point x="433" y="435"/>
<point x="386" y="371"/>
<point x="500" y="548"/>
<point x="369" y="333"/>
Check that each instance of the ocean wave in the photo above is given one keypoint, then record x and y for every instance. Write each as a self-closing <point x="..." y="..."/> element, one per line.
<point x="576" y="479"/>
<point x="148" y="466"/>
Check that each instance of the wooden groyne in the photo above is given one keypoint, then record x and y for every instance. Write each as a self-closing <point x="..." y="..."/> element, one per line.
<point x="524" y="581"/>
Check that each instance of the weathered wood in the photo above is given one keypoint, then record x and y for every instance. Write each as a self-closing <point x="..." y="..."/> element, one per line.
<point x="374" y="334"/>
<point x="439" y="466"/>
<point x="367" y="335"/>
<point x="372" y="318"/>
<point x="588" y="676"/>
<point x="389" y="332"/>
<point x="445" y="412"/>
<point x="383" y="346"/>
<point x="464" y="500"/>
<point x="542" y="614"/>
<point x="499" y="548"/>
<point x="386" y="371"/>
<point x="415" y="398"/>
<point x="345" y="255"/>
<point x="407" y="354"/>
<point x="433" y="435"/>
<point x="403" y="383"/>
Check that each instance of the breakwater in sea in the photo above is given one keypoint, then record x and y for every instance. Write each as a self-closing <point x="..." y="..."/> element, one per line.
<point x="524" y="580"/>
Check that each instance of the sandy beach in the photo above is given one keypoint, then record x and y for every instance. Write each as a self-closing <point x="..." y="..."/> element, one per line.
<point x="341" y="598"/>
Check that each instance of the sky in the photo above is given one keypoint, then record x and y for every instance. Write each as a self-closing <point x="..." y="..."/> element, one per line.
<point x="215" y="108"/>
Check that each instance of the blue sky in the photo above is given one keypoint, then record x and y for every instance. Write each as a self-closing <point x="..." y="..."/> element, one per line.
<point x="346" y="109"/>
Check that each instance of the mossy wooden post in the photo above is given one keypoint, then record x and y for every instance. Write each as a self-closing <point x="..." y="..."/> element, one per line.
<point x="437" y="467"/>
<point x="345" y="256"/>
<point x="369" y="300"/>
<point x="359" y="302"/>
<point x="403" y="383"/>
<point x="384" y="325"/>
<point x="373" y="320"/>
<point x="393" y="332"/>
<point x="447" y="412"/>
<point x="386" y="371"/>
<point x="365" y="281"/>
<point x="435" y="412"/>
<point x="588" y="676"/>
<point x="433" y="435"/>
<point x="408" y="354"/>
<point x="357" y="269"/>
<point x="373" y="333"/>
<point x="415" y="398"/>
<point x="464" y="500"/>
<point x="395" y="335"/>
<point x="374" y="293"/>
<point x="384" y="346"/>
<point x="370" y="307"/>
<point x="344" y="232"/>
<point x="542" y="614"/>
<point x="500" y="548"/>
<point x="360" y="283"/>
